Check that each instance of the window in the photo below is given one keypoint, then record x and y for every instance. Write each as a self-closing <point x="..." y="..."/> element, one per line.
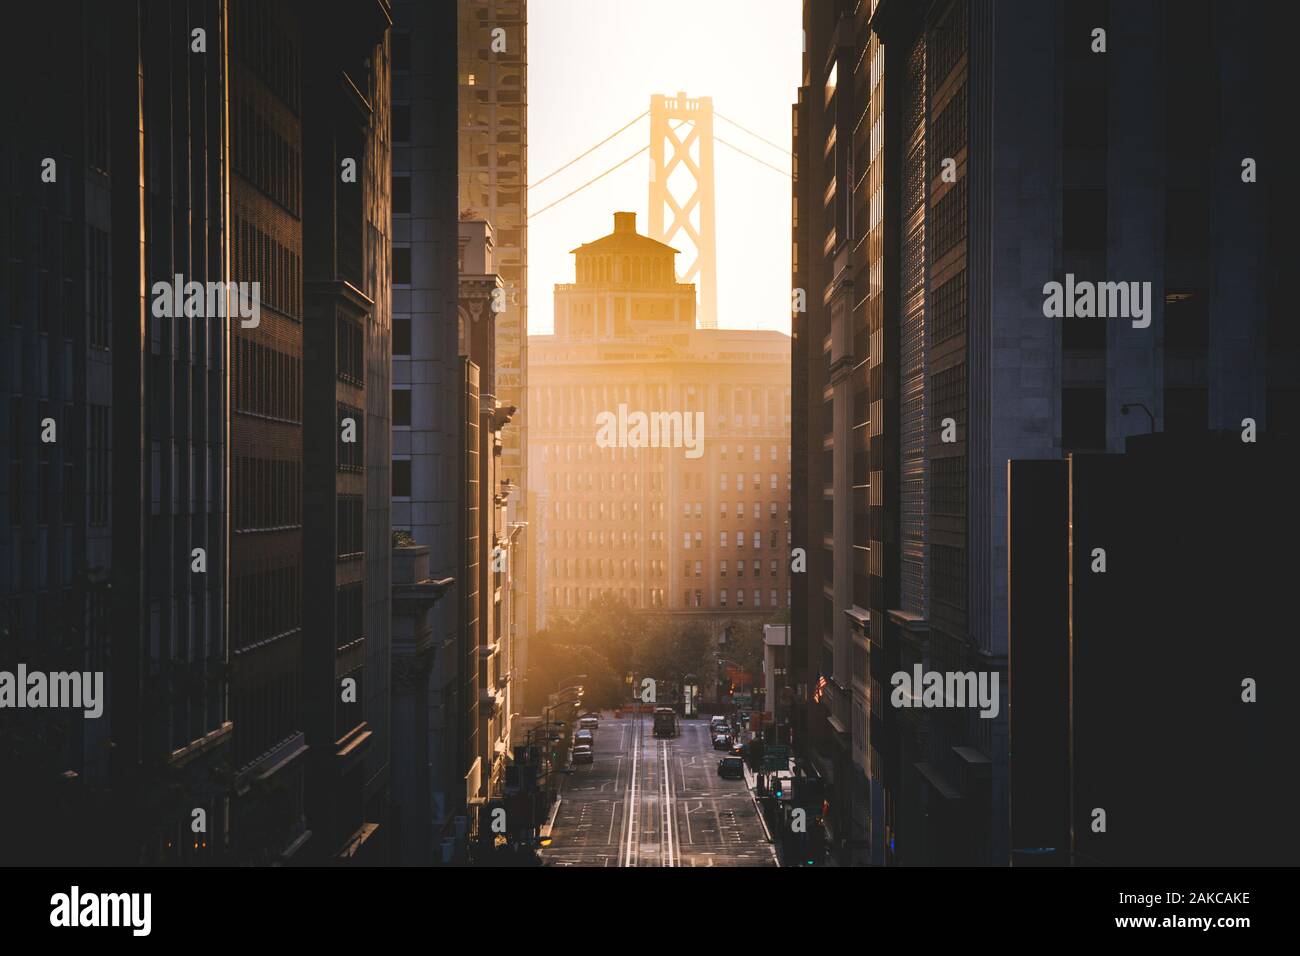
<point x="401" y="477"/>
<point x="758" y="540"/>
<point x="740" y="569"/>
<point x="401" y="265"/>
<point x="722" y="539"/>
<point x="351" y="351"/>
<point x="722" y="598"/>
<point x="722" y="569"/>
<point x="723" y="479"/>
<point x="724" y="511"/>
<point x="352" y="454"/>
<point x="401" y="195"/>
<point x="401" y="336"/>
<point x="740" y="539"/>
<point x="699" y="569"/>
<point x="401" y="407"/>
<point x="686" y="540"/>
<point x="350" y="515"/>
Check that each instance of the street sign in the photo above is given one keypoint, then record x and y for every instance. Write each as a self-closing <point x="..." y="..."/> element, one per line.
<point x="776" y="757"/>
<point x="742" y="700"/>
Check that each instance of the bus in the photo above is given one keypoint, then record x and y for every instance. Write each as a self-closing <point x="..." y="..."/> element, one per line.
<point x="665" y="722"/>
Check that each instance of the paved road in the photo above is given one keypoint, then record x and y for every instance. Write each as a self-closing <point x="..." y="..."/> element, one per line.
<point x="651" y="802"/>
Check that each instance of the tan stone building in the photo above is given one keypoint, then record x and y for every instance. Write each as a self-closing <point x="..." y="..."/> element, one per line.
<point x="660" y="453"/>
<point x="492" y="44"/>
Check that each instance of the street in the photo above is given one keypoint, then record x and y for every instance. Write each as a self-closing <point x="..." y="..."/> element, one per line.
<point x="651" y="802"/>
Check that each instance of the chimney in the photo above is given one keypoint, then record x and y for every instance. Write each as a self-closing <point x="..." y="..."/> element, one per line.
<point x="625" y="222"/>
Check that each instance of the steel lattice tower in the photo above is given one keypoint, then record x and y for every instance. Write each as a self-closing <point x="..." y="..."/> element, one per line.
<point x="668" y="150"/>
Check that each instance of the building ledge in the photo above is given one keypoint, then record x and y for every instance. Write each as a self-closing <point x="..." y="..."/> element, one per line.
<point x="937" y="780"/>
<point x="206" y="744"/>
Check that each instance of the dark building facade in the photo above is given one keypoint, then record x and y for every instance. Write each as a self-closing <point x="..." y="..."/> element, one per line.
<point x="115" y="178"/>
<point x="189" y="444"/>
<point x="346" y="439"/>
<point x="929" y="227"/>
<point x="428" y="387"/>
<point x="1144" y="730"/>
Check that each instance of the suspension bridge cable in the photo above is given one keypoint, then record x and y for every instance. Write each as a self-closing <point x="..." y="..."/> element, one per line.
<point x="588" y="152"/>
<point x="602" y="175"/>
<point x="785" y="149"/>
<point x="719" y="139"/>
<point x="643" y="149"/>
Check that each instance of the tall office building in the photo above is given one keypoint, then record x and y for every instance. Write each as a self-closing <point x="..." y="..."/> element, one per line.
<point x="428" y="383"/>
<point x="115" y="560"/>
<point x="692" y="517"/>
<point x="493" y="168"/>
<point x="266" y="105"/>
<point x="347" y="458"/>
<point x="926" y="245"/>
<point x="309" y="141"/>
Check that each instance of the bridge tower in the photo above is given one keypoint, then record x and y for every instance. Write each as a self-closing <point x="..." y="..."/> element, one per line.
<point x="681" y="138"/>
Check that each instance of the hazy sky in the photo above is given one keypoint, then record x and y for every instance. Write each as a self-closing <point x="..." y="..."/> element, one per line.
<point x="592" y="66"/>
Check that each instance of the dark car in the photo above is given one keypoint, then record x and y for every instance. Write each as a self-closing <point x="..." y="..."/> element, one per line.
<point x="722" y="741"/>
<point x="731" y="767"/>
<point x="584" y="737"/>
<point x="582" y="754"/>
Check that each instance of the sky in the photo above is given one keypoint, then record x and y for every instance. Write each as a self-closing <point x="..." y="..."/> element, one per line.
<point x="592" y="66"/>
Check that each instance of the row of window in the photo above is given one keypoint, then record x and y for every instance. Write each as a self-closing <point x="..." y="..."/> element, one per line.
<point x="267" y="493"/>
<point x="275" y="267"/>
<point x="268" y="382"/>
<point x="350" y="511"/>
<point x="352" y="448"/>
<point x="573" y="453"/>
<point x="581" y="597"/>
<point x="268" y="51"/>
<point x="265" y="603"/>
<point x="773" y="480"/>
<point x="351" y="343"/>
<point x="265" y="158"/>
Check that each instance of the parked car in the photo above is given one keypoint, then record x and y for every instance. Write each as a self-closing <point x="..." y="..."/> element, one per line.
<point x="589" y="722"/>
<point x="722" y="741"/>
<point x="582" y="754"/>
<point x="717" y="721"/>
<point x="584" y="738"/>
<point x="731" y="767"/>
